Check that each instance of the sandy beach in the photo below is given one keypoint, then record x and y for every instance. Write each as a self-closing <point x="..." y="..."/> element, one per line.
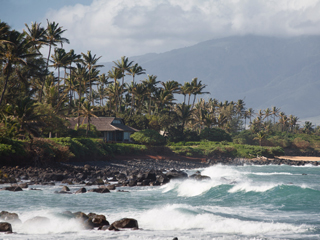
<point x="300" y="158"/>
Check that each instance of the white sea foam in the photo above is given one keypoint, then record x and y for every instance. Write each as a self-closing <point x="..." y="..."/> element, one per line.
<point x="219" y="175"/>
<point x="252" y="187"/>
<point x="55" y="225"/>
<point x="184" y="217"/>
<point x="272" y="173"/>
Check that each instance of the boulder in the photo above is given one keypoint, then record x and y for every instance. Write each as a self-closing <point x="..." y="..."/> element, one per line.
<point x="99" y="190"/>
<point x="111" y="187"/>
<point x="65" y="189"/>
<point x="98" y="220"/>
<point x="198" y="176"/>
<point x="132" y="182"/>
<point x="23" y="185"/>
<point x="162" y="179"/>
<point x="53" y="177"/>
<point x="81" y="190"/>
<point x="176" y="174"/>
<point x="5" y="227"/>
<point x="12" y="189"/>
<point x="124" y="223"/>
<point x="9" y="217"/>
<point x="84" y="220"/>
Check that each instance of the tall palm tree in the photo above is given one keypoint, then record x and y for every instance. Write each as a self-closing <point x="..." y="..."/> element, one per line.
<point x="139" y="93"/>
<point x="86" y="111"/>
<point x="163" y="99"/>
<point x="124" y="66"/>
<point x="275" y="112"/>
<point x="267" y="113"/>
<point x="184" y="113"/>
<point x="14" y="51"/>
<point x="53" y="36"/>
<point x="135" y="70"/>
<point x="197" y="89"/>
<point x="59" y="59"/>
<point x="80" y="74"/>
<point x="115" y="74"/>
<point x="171" y="86"/>
<point x="36" y="34"/>
<point x="131" y="89"/>
<point x="250" y="114"/>
<point x="91" y="63"/>
<point x="150" y="84"/>
<point x="185" y="90"/>
<point x="283" y="120"/>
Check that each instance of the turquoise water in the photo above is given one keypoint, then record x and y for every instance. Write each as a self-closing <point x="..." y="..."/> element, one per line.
<point x="243" y="202"/>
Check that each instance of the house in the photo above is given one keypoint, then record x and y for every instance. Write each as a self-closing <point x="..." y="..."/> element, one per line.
<point x="112" y="128"/>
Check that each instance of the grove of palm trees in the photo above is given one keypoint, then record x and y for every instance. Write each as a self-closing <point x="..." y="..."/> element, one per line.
<point x="40" y="90"/>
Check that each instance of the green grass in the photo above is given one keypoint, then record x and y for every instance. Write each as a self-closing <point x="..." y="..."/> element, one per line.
<point x="218" y="149"/>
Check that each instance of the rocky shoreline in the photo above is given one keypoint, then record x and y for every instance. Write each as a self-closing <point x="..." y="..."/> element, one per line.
<point x="134" y="172"/>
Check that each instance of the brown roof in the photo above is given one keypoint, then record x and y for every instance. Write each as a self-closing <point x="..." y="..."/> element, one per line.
<point x="103" y="124"/>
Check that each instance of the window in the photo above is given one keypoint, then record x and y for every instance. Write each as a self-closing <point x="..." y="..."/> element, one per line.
<point x="126" y="136"/>
<point x="116" y="122"/>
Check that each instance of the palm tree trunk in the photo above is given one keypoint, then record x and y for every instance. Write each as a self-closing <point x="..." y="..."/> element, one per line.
<point x="79" y="104"/>
<point x="4" y="87"/>
<point x="149" y="107"/>
<point x="46" y="72"/>
<point x="132" y="104"/>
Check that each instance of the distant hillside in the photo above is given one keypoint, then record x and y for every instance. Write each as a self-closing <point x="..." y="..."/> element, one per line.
<point x="264" y="71"/>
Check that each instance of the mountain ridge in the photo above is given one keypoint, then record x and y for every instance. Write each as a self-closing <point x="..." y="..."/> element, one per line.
<point x="264" y="71"/>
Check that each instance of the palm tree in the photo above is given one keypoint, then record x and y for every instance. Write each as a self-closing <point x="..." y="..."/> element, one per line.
<point x="124" y="66"/>
<point x="267" y="113"/>
<point x="91" y="63"/>
<point x="36" y="35"/>
<point x="116" y="74"/>
<point x="283" y="120"/>
<point x="184" y="114"/>
<point x="23" y="112"/>
<point x="308" y="127"/>
<point x="14" y="51"/>
<point x="163" y="98"/>
<point x="274" y="112"/>
<point x="131" y="89"/>
<point x="80" y="74"/>
<point x="197" y="88"/>
<point x="53" y="35"/>
<point x="139" y="93"/>
<point x="135" y="70"/>
<point x="260" y="114"/>
<point x="250" y="113"/>
<point x="150" y="84"/>
<point x="171" y="86"/>
<point x="260" y="136"/>
<point x="59" y="59"/>
<point x="185" y="90"/>
<point x="86" y="111"/>
<point x="292" y="121"/>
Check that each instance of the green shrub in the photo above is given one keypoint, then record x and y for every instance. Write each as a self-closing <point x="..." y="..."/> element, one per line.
<point x="300" y="143"/>
<point x="215" y="134"/>
<point x="190" y="135"/>
<point x="148" y="137"/>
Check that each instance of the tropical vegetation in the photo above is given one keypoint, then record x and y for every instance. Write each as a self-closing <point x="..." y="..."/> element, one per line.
<point x="39" y="92"/>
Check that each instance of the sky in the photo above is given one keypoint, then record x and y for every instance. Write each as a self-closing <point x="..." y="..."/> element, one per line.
<point x="115" y="28"/>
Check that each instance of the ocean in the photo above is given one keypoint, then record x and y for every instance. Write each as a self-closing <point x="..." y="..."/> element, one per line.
<point x="239" y="202"/>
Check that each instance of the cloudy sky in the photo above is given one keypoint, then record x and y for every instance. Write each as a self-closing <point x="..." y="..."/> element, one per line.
<point x="114" y="28"/>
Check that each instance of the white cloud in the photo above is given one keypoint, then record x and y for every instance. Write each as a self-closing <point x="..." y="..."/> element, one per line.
<point x="113" y="28"/>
